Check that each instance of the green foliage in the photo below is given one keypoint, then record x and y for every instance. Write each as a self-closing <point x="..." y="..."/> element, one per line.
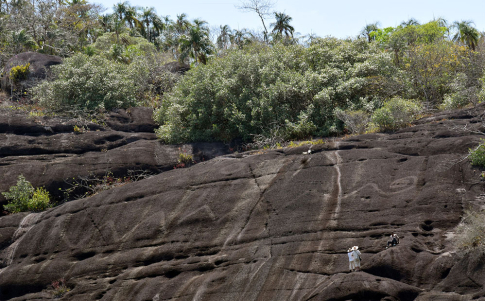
<point x="477" y="155"/>
<point x="23" y="197"/>
<point x="185" y="158"/>
<point x="461" y="95"/>
<point x="470" y="233"/>
<point x="107" y="40"/>
<point x="396" y="113"/>
<point x="88" y="82"/>
<point x="19" y="196"/>
<point x="90" y="50"/>
<point x="40" y="200"/>
<point x="19" y="73"/>
<point x="302" y="128"/>
<point x="250" y="91"/>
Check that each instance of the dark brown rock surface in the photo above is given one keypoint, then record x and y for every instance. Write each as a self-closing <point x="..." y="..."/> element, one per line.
<point x="269" y="225"/>
<point x="47" y="150"/>
<point x="39" y="67"/>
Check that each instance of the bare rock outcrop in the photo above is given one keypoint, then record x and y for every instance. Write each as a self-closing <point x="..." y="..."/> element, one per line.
<point x="48" y="150"/>
<point x="268" y="225"/>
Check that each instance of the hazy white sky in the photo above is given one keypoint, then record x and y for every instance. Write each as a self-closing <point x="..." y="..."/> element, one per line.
<point x="341" y="19"/>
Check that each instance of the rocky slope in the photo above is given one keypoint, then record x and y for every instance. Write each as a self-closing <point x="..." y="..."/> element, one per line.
<point x="48" y="151"/>
<point x="268" y="225"/>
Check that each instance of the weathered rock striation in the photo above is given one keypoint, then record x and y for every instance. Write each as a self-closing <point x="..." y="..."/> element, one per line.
<point x="268" y="225"/>
<point x="47" y="150"/>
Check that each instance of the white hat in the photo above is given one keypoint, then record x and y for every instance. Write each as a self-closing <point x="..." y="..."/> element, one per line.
<point x="355" y="248"/>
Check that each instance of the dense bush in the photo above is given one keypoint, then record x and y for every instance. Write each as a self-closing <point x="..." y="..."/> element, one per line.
<point x="396" y="113"/>
<point x="105" y="42"/>
<point x="89" y="82"/>
<point x="23" y="197"/>
<point x="96" y="82"/>
<point x="252" y="91"/>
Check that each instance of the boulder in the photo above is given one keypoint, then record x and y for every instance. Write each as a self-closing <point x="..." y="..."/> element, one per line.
<point x="39" y="68"/>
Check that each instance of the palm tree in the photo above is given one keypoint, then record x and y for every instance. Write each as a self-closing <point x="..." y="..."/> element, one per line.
<point x="282" y="25"/>
<point x="368" y="29"/>
<point x="466" y="34"/>
<point x="182" y="24"/>
<point x="409" y="22"/>
<point x="201" y="23"/>
<point x="224" y="37"/>
<point x="120" y="10"/>
<point x="146" y="18"/>
<point x="106" y="22"/>
<point x="196" y="44"/>
<point x="442" y="22"/>
<point x="130" y="17"/>
<point x="118" y="26"/>
<point x="240" y="38"/>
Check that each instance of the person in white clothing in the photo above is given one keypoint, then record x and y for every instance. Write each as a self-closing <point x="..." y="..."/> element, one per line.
<point x="351" y="255"/>
<point x="356" y="255"/>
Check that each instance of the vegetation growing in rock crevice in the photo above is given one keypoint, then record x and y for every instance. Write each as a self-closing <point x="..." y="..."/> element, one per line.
<point x="477" y="155"/>
<point x="470" y="233"/>
<point x="24" y="197"/>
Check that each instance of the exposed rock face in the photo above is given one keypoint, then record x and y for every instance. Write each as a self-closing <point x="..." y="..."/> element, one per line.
<point x="47" y="151"/>
<point x="39" y="67"/>
<point x="273" y="225"/>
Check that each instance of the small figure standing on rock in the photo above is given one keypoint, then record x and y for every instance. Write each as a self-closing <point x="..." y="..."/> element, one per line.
<point x="393" y="241"/>
<point x="356" y="252"/>
<point x="354" y="258"/>
<point x="351" y="255"/>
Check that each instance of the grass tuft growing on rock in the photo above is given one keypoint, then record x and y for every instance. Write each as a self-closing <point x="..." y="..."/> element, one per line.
<point x="470" y="233"/>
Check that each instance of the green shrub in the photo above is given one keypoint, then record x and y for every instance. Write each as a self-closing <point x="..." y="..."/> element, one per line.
<point x="23" y="197"/>
<point x="248" y="92"/>
<point x="477" y="155"/>
<point x="40" y="200"/>
<point x="301" y="129"/>
<point x="107" y="40"/>
<point x="88" y="82"/>
<point x="19" y="195"/>
<point x="185" y="158"/>
<point x="396" y="113"/>
<point x="461" y="95"/>
<point x="96" y="82"/>
<point x="19" y="73"/>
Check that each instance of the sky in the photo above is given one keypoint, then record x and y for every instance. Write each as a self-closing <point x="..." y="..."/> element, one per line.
<point x="341" y="19"/>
